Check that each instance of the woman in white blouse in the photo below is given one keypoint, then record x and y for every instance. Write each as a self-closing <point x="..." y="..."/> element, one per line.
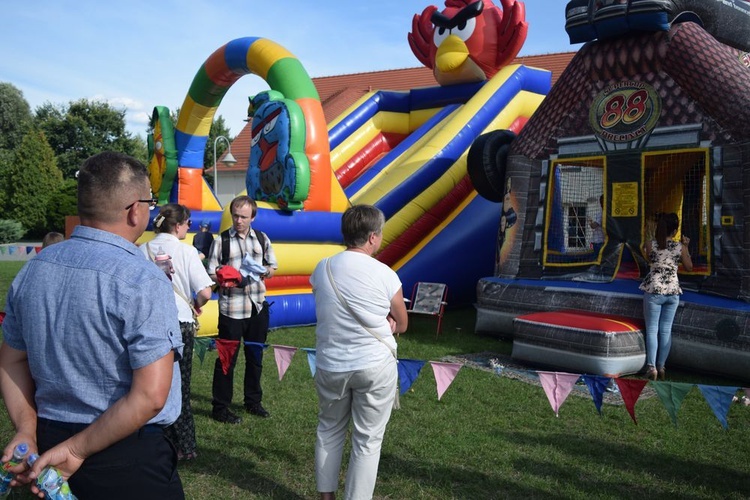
<point x="188" y="277"/>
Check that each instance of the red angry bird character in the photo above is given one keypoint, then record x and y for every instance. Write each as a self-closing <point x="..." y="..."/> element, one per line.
<point x="470" y="40"/>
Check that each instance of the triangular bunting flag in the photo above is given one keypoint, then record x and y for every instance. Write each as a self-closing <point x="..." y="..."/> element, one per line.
<point x="2" y="317"/>
<point x="29" y="250"/>
<point x="630" y="390"/>
<point x="257" y="349"/>
<point x="11" y="250"/>
<point x="310" y="359"/>
<point x="719" y="399"/>
<point x="226" y="349"/>
<point x="597" y="385"/>
<point x="557" y="386"/>
<point x="201" y="346"/>
<point x="2" y="250"/>
<point x="37" y="249"/>
<point x="671" y="395"/>
<point x="444" y="375"/>
<point x="747" y="391"/>
<point x="283" y="355"/>
<point x="408" y="371"/>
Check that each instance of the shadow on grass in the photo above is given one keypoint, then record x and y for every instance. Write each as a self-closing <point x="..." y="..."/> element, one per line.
<point x="559" y="466"/>
<point x="667" y="475"/>
<point x="241" y="474"/>
<point x="462" y="483"/>
<point x="234" y="455"/>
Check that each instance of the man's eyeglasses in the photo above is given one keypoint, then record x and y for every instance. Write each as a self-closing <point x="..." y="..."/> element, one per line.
<point x="152" y="202"/>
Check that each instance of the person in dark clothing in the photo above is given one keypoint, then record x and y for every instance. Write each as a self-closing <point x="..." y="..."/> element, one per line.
<point x="203" y="239"/>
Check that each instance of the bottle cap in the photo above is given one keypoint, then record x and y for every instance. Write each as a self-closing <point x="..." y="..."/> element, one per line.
<point x="161" y="255"/>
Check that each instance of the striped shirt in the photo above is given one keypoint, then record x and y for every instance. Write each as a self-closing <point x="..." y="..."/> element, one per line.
<point x="237" y="303"/>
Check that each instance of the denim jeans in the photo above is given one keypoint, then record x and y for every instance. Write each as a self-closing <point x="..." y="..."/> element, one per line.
<point x="659" y="312"/>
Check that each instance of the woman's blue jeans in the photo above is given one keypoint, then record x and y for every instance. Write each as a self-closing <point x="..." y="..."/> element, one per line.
<point x="658" y="312"/>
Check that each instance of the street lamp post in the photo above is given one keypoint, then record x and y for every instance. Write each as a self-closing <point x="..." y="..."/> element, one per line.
<point x="228" y="160"/>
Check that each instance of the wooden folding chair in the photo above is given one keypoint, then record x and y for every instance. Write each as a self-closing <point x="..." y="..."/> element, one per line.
<point x="429" y="299"/>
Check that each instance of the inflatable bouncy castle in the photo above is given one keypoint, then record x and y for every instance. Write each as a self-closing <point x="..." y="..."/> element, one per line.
<point x="404" y="152"/>
<point x="651" y="116"/>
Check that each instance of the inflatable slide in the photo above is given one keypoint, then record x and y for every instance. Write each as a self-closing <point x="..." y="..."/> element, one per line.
<point x="404" y="152"/>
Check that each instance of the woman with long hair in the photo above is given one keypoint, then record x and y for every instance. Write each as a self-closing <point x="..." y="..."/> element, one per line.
<point x="188" y="277"/>
<point x="662" y="290"/>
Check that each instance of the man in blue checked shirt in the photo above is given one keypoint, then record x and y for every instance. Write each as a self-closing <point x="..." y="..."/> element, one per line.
<point x="90" y="340"/>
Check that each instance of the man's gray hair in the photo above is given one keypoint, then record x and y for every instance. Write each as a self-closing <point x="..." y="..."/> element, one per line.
<point x="359" y="222"/>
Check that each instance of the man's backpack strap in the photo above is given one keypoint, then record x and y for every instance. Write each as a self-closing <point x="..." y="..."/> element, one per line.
<point x="225" y="246"/>
<point x="262" y="240"/>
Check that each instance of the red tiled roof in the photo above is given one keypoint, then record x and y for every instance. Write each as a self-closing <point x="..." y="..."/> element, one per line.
<point x="339" y="92"/>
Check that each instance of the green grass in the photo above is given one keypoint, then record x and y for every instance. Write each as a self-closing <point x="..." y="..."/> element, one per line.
<point x="489" y="436"/>
<point x="8" y="271"/>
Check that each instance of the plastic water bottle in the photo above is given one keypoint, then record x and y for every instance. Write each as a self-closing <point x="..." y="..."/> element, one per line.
<point x="164" y="262"/>
<point x="65" y="493"/>
<point x="6" y="476"/>
<point x="51" y="483"/>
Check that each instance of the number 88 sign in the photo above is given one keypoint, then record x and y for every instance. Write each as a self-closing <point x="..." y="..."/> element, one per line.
<point x="625" y="111"/>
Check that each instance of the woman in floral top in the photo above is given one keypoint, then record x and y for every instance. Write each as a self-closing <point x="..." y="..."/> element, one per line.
<point x="662" y="290"/>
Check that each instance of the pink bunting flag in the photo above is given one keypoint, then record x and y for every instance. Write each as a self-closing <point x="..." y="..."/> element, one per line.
<point x="557" y="387"/>
<point x="444" y="375"/>
<point x="283" y="355"/>
<point x="226" y="349"/>
<point x="630" y="390"/>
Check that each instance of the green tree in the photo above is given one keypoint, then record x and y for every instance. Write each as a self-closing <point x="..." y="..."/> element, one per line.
<point x="84" y="128"/>
<point x="62" y="202"/>
<point x="30" y="179"/>
<point x="6" y="158"/>
<point x="15" y="116"/>
<point x="218" y="128"/>
<point x="174" y="115"/>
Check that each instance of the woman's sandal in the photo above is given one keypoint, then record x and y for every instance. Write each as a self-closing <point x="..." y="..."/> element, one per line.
<point x="651" y="373"/>
<point x="662" y="374"/>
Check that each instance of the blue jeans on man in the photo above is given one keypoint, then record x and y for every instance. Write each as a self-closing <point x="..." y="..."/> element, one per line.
<point x="658" y="313"/>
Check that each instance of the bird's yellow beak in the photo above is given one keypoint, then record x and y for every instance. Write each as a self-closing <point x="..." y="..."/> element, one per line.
<point x="451" y="54"/>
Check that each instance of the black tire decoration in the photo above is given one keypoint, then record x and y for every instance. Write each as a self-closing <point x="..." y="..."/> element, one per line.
<point x="486" y="163"/>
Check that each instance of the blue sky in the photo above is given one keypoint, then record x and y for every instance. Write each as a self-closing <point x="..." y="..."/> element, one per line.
<point x="138" y="54"/>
